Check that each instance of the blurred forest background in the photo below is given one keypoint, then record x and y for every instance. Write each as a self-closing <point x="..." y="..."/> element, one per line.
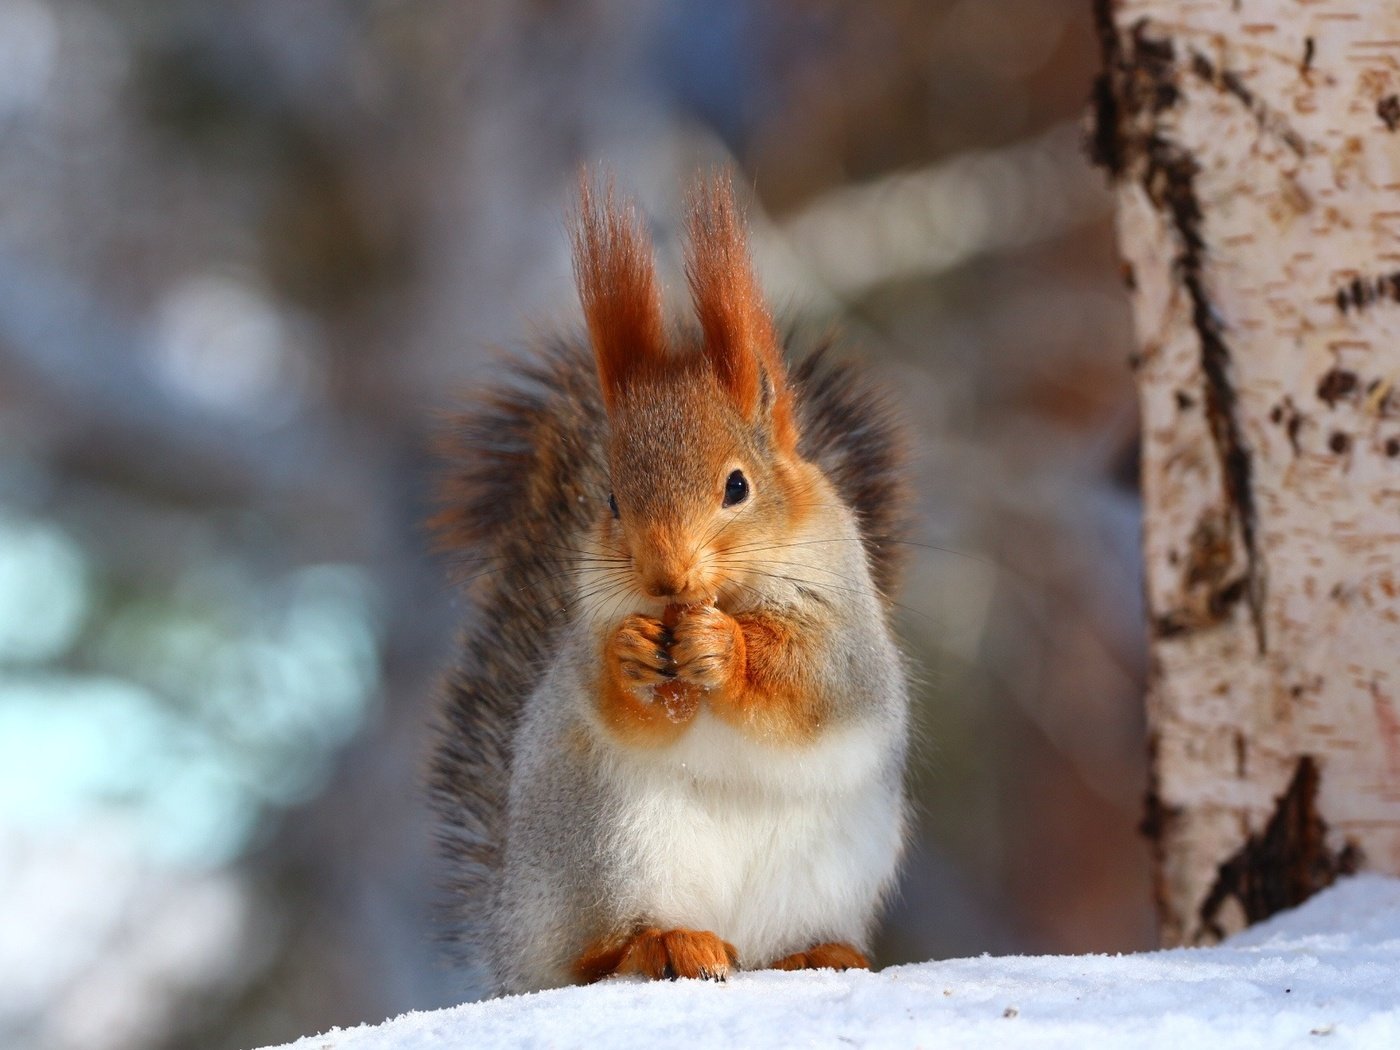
<point x="248" y="252"/>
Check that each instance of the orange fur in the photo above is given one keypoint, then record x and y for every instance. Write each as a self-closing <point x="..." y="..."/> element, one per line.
<point x="600" y="959"/>
<point x="640" y="700"/>
<point x="617" y="287"/>
<point x="660" y="955"/>
<point x="831" y="956"/>
<point x="739" y="340"/>
<point x="751" y="670"/>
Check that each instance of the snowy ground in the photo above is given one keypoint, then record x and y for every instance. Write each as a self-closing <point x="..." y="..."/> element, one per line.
<point x="1326" y="975"/>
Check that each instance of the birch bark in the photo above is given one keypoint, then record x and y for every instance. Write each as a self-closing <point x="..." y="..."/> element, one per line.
<point x="1255" y="150"/>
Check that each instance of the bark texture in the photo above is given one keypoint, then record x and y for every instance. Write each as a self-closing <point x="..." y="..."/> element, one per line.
<point x="1255" y="149"/>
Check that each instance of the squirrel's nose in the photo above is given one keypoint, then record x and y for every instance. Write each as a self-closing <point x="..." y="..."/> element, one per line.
<point x="668" y="585"/>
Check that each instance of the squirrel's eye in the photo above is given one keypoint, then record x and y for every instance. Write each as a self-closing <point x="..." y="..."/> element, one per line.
<point x="736" y="489"/>
<point x="612" y="505"/>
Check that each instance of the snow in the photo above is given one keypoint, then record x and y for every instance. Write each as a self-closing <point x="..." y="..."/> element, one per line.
<point x="1324" y="975"/>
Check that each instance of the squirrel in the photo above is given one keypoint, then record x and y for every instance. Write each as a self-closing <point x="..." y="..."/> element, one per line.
<point x="674" y="743"/>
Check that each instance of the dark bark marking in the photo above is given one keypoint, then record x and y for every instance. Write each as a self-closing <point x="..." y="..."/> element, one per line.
<point x="1284" y="865"/>
<point x="1295" y="425"/>
<point x="1388" y="109"/>
<point x="1361" y="292"/>
<point x="1266" y="117"/>
<point x="1105" y="138"/>
<point x="1179" y="171"/>
<point x="1337" y="385"/>
<point x="1137" y="83"/>
<point x="1103" y="143"/>
<point x="1210" y="550"/>
<point x="1211" y="612"/>
<point x="1339" y="442"/>
<point x="1392" y="447"/>
<point x="1158" y="822"/>
<point x="1209" y="592"/>
<point x="1309" y="50"/>
<point x="1286" y="415"/>
<point x="1126" y="89"/>
<point x="1169" y="625"/>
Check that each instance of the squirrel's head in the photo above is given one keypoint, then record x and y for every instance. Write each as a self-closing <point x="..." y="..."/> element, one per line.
<point x="703" y="450"/>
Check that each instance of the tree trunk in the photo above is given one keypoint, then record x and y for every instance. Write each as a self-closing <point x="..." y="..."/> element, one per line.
<point x="1255" y="149"/>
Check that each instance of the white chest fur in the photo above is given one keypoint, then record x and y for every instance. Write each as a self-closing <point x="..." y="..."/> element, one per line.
<point x="772" y="848"/>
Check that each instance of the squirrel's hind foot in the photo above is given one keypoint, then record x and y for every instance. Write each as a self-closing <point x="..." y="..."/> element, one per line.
<point x="832" y="956"/>
<point x="661" y="955"/>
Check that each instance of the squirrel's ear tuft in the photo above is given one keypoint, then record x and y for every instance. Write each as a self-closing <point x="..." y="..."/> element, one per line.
<point x="616" y="277"/>
<point x="739" y="340"/>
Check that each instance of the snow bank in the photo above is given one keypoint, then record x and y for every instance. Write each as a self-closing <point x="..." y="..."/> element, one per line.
<point x="1324" y="975"/>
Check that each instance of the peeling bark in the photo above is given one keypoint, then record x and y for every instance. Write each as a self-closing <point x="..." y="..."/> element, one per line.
<point x="1283" y="865"/>
<point x="1252" y="149"/>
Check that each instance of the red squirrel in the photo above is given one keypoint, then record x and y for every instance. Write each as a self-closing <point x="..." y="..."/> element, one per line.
<point x="674" y="743"/>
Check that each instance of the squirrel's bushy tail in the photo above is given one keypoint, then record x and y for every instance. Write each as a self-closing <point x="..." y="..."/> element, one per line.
<point x="850" y="430"/>
<point x="525" y="475"/>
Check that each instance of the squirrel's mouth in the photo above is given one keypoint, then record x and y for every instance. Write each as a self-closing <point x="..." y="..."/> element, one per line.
<point x="673" y="584"/>
<point x="694" y="589"/>
<point x="689" y="598"/>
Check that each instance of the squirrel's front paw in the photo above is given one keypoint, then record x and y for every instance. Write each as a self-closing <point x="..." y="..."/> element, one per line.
<point x="704" y="645"/>
<point x="639" y="647"/>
